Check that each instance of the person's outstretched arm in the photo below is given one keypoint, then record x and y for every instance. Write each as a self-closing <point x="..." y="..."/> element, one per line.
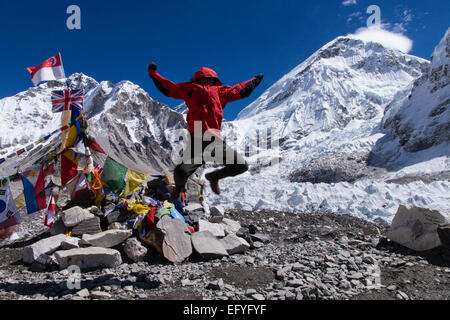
<point x="167" y="87"/>
<point x="241" y="90"/>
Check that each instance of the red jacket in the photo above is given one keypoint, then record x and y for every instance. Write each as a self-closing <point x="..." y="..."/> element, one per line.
<point x="205" y="103"/>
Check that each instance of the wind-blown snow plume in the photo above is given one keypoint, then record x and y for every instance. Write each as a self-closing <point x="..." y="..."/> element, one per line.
<point x="387" y="38"/>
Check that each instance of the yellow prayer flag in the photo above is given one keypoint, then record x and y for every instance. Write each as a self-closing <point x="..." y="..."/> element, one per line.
<point x="65" y="120"/>
<point x="20" y="201"/>
<point x="134" y="180"/>
<point x="137" y="206"/>
<point x="71" y="136"/>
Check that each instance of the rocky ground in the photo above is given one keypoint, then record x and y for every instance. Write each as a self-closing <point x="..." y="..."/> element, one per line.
<point x="307" y="257"/>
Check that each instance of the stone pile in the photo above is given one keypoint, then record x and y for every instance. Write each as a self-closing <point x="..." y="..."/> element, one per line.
<point x="137" y="228"/>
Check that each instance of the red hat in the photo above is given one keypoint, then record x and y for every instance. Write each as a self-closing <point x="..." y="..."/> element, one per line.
<point x="207" y="73"/>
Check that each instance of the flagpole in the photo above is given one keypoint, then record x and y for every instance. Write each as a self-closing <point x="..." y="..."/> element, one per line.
<point x="62" y="66"/>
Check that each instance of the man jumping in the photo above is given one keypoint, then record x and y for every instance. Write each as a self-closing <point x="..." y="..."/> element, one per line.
<point x="205" y="98"/>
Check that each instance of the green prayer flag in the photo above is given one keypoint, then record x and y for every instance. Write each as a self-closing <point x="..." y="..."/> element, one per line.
<point x="162" y="212"/>
<point x="113" y="175"/>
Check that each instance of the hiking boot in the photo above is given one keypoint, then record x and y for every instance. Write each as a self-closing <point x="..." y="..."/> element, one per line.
<point x="214" y="183"/>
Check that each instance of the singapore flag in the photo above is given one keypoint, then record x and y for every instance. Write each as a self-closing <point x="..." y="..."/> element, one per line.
<point x="50" y="69"/>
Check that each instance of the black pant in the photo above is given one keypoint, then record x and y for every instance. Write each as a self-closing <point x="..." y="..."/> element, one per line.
<point x="214" y="151"/>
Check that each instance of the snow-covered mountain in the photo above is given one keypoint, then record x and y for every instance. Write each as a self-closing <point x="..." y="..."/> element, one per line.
<point x="324" y="120"/>
<point x="345" y="80"/>
<point x="330" y="104"/>
<point x="130" y="126"/>
<point x="418" y="119"/>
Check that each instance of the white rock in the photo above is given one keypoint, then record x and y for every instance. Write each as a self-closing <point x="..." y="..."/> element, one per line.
<point x="107" y="239"/>
<point x="230" y="226"/>
<point x="91" y="257"/>
<point x="416" y="228"/>
<point x="207" y="245"/>
<point x="234" y="244"/>
<point x="44" y="246"/>
<point x="73" y="216"/>
<point x="70" y="243"/>
<point x="218" y="230"/>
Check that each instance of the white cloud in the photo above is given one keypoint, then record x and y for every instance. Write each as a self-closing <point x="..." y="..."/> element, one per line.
<point x="399" y="28"/>
<point x="348" y="2"/>
<point x="407" y="16"/>
<point x="387" y="38"/>
<point x="354" y="16"/>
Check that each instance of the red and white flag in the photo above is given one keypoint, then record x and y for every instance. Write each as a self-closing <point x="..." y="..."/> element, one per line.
<point x="50" y="69"/>
<point x="50" y="214"/>
<point x="82" y="186"/>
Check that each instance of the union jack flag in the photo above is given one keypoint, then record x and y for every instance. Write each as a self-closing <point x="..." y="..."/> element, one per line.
<point x="67" y="99"/>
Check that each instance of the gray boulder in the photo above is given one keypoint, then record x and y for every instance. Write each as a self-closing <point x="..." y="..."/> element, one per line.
<point x="177" y="245"/>
<point x="208" y="246"/>
<point x="230" y="226"/>
<point x="91" y="257"/>
<point x="107" y="239"/>
<point x="45" y="246"/>
<point x="416" y="228"/>
<point x="73" y="216"/>
<point x="135" y="250"/>
<point x="233" y="244"/>
<point x="89" y="226"/>
<point x="218" y="230"/>
<point x="333" y="169"/>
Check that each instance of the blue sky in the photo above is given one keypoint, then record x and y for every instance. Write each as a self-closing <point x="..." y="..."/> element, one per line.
<point x="238" y="39"/>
